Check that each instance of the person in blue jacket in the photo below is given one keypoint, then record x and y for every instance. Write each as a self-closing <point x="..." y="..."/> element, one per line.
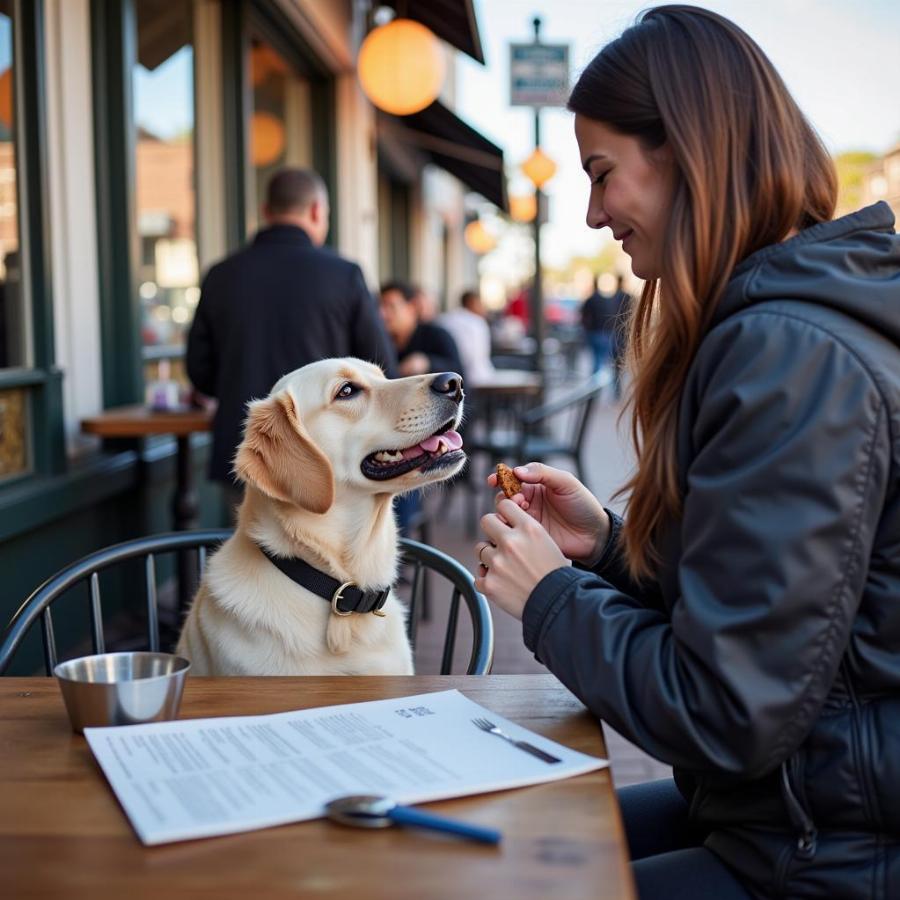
<point x="742" y="621"/>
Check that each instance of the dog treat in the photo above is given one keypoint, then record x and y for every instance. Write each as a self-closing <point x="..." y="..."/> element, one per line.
<point x="507" y="480"/>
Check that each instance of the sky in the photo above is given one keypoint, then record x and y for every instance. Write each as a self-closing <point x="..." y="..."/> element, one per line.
<point x="164" y="98"/>
<point x="840" y="60"/>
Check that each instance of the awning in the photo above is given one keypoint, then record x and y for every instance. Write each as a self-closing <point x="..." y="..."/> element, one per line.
<point x="458" y="149"/>
<point x="163" y="28"/>
<point x="452" y="21"/>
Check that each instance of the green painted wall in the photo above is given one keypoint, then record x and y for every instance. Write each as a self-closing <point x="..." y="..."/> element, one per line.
<point x="142" y="507"/>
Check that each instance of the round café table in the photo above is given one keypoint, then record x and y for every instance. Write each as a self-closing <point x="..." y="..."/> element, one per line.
<point x="137" y="421"/>
<point x="508" y="392"/>
<point x="498" y="406"/>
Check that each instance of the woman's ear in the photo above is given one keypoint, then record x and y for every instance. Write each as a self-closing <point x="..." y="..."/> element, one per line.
<point x="662" y="156"/>
<point x="279" y="457"/>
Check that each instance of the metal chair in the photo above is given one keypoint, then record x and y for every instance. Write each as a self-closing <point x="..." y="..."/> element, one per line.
<point x="426" y="560"/>
<point x="422" y="558"/>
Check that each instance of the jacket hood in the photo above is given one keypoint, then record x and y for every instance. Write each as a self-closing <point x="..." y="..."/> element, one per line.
<point x="851" y="264"/>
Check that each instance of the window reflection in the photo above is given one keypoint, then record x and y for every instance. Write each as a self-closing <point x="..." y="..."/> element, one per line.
<point x="280" y="121"/>
<point x="12" y="317"/>
<point x="164" y="169"/>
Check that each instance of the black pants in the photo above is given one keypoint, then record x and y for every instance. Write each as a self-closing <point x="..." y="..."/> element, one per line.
<point x="667" y="855"/>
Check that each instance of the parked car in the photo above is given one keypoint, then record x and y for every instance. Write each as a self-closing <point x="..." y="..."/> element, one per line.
<point x="562" y="311"/>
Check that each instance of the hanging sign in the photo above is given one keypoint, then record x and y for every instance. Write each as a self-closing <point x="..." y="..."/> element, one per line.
<point x="538" y="74"/>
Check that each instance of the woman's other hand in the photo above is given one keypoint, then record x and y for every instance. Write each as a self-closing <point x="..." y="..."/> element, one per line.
<point x="518" y="553"/>
<point x="572" y="516"/>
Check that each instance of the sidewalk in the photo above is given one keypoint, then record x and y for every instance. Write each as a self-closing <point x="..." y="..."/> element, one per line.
<point x="607" y="459"/>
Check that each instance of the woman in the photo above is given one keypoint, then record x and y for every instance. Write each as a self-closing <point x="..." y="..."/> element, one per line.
<point x="743" y="622"/>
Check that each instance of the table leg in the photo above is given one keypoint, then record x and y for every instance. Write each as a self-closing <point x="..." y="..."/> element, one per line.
<point x="184" y="513"/>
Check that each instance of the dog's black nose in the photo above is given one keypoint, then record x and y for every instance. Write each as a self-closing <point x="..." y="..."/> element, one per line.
<point x="449" y="384"/>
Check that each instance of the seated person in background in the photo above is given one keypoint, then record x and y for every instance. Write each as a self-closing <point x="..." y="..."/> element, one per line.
<point x="421" y="346"/>
<point x="469" y="328"/>
<point x="518" y="307"/>
<point x="426" y="304"/>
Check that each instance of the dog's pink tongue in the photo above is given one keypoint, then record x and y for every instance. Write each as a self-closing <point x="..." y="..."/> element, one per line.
<point x="451" y="439"/>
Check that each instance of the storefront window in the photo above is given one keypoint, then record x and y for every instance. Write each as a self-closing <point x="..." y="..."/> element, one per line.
<point x="280" y="122"/>
<point x="13" y="431"/>
<point x="167" y="274"/>
<point x="12" y="312"/>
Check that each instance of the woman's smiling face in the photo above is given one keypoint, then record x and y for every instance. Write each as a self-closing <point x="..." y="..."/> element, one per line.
<point x="631" y="191"/>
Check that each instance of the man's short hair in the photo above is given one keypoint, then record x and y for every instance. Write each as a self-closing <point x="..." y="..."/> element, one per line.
<point x="294" y="190"/>
<point x="468" y="299"/>
<point x="404" y="288"/>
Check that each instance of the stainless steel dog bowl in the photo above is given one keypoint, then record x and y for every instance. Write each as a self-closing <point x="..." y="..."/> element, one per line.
<point x="121" y="688"/>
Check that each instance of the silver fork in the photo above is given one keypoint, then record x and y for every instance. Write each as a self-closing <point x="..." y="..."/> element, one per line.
<point x="491" y="728"/>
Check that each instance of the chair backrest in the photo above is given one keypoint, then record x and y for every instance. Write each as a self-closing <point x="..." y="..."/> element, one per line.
<point x="424" y="559"/>
<point x="421" y="556"/>
<point x="577" y="403"/>
<point x="88" y="569"/>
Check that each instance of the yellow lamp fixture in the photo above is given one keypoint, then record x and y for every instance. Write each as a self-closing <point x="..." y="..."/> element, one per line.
<point x="522" y="208"/>
<point x="478" y="239"/>
<point x="264" y="61"/>
<point x="539" y="168"/>
<point x="266" y="138"/>
<point x="401" y="67"/>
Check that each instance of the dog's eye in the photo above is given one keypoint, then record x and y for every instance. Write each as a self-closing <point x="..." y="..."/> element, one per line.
<point x="347" y="390"/>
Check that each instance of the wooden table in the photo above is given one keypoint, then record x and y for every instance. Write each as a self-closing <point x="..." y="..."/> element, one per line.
<point x="138" y="421"/>
<point x="511" y="382"/>
<point x="62" y="833"/>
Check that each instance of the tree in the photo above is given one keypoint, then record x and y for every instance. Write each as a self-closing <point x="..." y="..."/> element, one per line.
<point x="851" y="170"/>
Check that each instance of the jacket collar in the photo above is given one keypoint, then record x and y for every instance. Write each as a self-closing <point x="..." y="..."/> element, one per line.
<point x="804" y="260"/>
<point x="283" y="234"/>
<point x="877" y="217"/>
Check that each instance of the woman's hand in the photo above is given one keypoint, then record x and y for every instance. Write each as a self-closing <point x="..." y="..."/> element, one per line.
<point x="569" y="512"/>
<point x="518" y="554"/>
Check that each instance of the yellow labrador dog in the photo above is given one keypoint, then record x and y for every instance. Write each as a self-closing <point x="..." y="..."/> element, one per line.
<point x="302" y="586"/>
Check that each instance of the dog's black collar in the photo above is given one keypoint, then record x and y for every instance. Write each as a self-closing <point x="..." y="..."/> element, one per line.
<point x="345" y="597"/>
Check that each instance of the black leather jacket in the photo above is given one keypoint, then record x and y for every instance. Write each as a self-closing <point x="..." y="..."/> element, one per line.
<point x="764" y="664"/>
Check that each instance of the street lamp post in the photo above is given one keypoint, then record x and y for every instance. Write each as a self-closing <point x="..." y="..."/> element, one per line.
<point x="537" y="290"/>
<point x="539" y="76"/>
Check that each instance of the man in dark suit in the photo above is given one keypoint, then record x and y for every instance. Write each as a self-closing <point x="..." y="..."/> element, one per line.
<point x="280" y="303"/>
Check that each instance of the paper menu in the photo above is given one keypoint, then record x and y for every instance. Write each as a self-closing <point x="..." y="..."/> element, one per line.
<point x="197" y="778"/>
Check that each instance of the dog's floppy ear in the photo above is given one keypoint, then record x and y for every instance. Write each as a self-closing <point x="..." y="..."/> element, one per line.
<point x="279" y="457"/>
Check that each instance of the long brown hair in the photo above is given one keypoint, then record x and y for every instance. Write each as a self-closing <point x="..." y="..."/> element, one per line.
<point x="748" y="169"/>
